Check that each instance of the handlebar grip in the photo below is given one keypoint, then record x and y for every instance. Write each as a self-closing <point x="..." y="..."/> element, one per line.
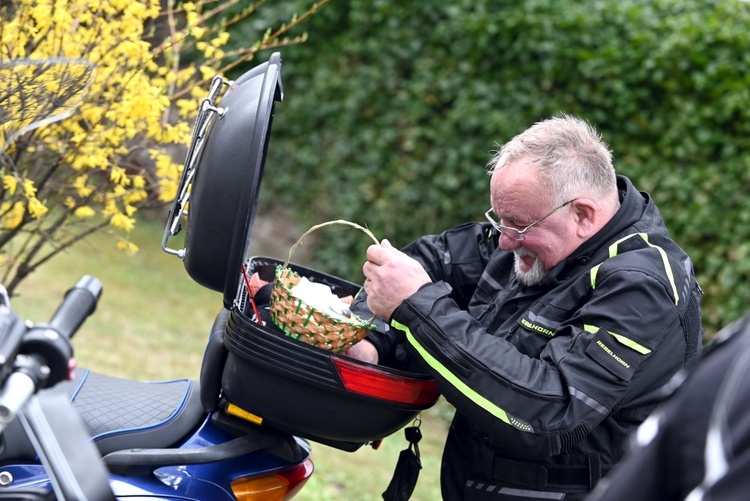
<point x="79" y="302"/>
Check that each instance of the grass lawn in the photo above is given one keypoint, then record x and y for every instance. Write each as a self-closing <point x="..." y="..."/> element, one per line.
<point x="152" y="324"/>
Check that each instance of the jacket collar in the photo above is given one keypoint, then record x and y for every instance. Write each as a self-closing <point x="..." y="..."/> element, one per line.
<point x="633" y="205"/>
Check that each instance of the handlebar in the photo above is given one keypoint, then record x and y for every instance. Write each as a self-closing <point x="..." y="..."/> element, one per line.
<point x="43" y="355"/>
<point x="79" y="302"/>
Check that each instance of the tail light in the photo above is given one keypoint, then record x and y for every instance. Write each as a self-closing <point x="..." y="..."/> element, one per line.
<point x="280" y="486"/>
<point x="380" y="384"/>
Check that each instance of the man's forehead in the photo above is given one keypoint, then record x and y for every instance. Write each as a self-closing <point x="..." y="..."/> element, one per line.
<point x="516" y="185"/>
<point x="522" y="169"/>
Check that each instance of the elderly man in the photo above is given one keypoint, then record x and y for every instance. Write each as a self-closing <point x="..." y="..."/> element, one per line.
<point x="550" y="328"/>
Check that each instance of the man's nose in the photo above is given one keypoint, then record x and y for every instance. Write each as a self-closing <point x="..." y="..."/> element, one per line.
<point x="507" y="244"/>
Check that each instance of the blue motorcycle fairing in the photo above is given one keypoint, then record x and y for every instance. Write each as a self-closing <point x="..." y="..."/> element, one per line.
<point x="185" y="482"/>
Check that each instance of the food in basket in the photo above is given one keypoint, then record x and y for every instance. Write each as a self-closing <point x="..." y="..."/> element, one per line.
<point x="320" y="297"/>
<point x="318" y="327"/>
<point x="329" y="326"/>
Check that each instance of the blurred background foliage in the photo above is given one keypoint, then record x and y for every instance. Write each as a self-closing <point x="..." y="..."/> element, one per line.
<point x="393" y="108"/>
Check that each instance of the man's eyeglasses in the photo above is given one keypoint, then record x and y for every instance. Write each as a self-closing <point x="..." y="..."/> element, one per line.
<point x="515" y="233"/>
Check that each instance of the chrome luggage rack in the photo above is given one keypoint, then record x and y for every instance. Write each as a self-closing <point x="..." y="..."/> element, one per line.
<point x="207" y="111"/>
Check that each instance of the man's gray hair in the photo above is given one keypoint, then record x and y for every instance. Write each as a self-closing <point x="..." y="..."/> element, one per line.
<point x="571" y="158"/>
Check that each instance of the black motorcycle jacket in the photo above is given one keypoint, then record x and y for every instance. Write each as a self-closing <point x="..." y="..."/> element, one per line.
<point x="548" y="380"/>
<point x="697" y="445"/>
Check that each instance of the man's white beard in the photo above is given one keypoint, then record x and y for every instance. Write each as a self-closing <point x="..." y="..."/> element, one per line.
<point x="537" y="272"/>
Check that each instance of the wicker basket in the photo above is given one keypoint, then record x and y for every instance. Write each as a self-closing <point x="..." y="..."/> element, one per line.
<point x="304" y="322"/>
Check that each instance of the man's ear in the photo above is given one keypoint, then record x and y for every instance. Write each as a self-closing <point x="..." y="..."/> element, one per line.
<point x="587" y="217"/>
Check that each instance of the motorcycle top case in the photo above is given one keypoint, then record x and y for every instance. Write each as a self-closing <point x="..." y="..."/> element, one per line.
<point x="261" y="374"/>
<point x="308" y="391"/>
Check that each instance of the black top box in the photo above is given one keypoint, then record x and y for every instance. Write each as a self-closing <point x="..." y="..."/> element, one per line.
<point x="260" y="374"/>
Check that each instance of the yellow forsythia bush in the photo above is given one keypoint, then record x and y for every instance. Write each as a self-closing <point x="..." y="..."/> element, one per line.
<point x="120" y="75"/>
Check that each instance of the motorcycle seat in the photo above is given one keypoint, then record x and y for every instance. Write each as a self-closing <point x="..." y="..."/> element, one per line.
<point x="121" y="414"/>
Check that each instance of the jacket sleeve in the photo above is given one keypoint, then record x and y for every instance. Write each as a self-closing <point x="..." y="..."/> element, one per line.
<point x="456" y="257"/>
<point x="623" y="340"/>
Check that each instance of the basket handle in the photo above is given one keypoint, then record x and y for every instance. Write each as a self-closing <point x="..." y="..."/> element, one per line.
<point x="329" y="223"/>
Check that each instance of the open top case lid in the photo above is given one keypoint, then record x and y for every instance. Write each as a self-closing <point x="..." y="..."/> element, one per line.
<point x="218" y="190"/>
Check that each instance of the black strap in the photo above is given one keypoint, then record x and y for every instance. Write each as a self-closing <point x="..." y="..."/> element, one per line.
<point x="595" y="469"/>
<point x="538" y="476"/>
<point x="406" y="474"/>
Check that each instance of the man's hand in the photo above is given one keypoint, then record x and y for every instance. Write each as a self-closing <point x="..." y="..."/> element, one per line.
<point x="364" y="351"/>
<point x="391" y="277"/>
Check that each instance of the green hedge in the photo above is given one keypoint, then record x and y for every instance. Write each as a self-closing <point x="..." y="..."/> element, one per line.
<point x="393" y="108"/>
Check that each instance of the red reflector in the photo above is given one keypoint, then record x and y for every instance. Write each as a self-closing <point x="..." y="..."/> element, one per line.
<point x="380" y="384"/>
<point x="297" y="477"/>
